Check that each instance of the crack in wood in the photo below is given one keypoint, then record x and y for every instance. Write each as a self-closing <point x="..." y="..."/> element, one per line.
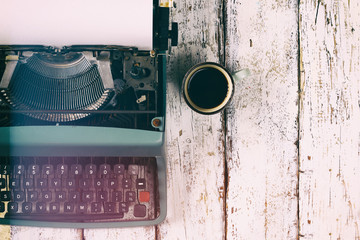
<point x="82" y="235"/>
<point x="226" y="174"/>
<point x="300" y="100"/>
<point x="317" y="11"/>
<point x="222" y="58"/>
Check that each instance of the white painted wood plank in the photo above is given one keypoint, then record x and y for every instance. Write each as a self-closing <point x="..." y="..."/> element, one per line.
<point x="262" y="120"/>
<point x="329" y="193"/>
<point x="120" y="233"/>
<point x="195" y="153"/>
<point x="195" y="150"/>
<point x="21" y="233"/>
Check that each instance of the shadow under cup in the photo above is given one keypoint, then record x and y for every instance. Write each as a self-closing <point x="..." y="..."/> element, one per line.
<point x="208" y="88"/>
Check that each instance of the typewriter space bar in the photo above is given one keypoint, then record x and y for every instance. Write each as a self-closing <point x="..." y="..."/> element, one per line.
<point x="67" y="217"/>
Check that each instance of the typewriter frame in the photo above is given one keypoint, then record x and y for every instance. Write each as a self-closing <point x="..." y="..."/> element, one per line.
<point x="80" y="141"/>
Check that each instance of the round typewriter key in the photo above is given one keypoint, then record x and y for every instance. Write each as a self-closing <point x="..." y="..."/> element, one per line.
<point x="119" y="169"/>
<point x="90" y="169"/>
<point x="54" y="207"/>
<point x="27" y="207"/>
<point x="109" y="207"/>
<point x="105" y="169"/>
<point x="34" y="169"/>
<point x="69" y="207"/>
<point x="62" y="170"/>
<point x="5" y="196"/>
<point x="76" y="170"/>
<point x="40" y="207"/>
<point x="116" y="196"/>
<point x="12" y="207"/>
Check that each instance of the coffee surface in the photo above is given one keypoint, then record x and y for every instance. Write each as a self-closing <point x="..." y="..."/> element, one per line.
<point x="207" y="88"/>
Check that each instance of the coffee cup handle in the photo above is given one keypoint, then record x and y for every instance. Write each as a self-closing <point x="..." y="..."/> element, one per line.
<point x="239" y="75"/>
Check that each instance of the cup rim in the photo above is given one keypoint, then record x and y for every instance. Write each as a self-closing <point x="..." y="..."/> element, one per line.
<point x="226" y="100"/>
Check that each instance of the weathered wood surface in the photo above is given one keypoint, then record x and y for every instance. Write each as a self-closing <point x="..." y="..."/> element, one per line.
<point x="261" y="123"/>
<point x="282" y="162"/>
<point x="329" y="192"/>
<point x="195" y="142"/>
<point x="21" y="233"/>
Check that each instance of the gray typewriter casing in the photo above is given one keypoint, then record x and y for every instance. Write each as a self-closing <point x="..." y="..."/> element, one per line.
<point x="58" y="139"/>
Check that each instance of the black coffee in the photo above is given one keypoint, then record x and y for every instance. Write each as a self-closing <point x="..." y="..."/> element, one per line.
<point x="207" y="88"/>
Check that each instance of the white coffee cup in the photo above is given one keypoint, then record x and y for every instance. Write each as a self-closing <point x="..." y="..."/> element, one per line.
<point x="208" y="87"/>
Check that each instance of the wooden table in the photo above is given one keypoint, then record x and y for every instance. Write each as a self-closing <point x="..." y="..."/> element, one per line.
<point x="282" y="161"/>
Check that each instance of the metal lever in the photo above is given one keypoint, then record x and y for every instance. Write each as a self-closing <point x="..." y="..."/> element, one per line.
<point x="173" y="34"/>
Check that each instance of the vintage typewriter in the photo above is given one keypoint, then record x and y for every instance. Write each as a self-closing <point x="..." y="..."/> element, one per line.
<point x="82" y="131"/>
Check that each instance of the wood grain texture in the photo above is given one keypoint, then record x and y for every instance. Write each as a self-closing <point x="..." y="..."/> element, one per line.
<point x="195" y="150"/>
<point x="270" y="166"/>
<point x="329" y="194"/>
<point x="262" y="128"/>
<point x="21" y="233"/>
<point x="120" y="233"/>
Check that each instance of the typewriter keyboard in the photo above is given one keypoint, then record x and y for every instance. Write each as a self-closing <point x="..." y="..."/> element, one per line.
<point x="78" y="189"/>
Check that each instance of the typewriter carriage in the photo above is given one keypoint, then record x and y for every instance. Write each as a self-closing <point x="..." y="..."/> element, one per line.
<point x="72" y="87"/>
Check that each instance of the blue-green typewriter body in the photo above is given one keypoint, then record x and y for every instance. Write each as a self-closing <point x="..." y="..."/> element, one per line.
<point x="82" y="133"/>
